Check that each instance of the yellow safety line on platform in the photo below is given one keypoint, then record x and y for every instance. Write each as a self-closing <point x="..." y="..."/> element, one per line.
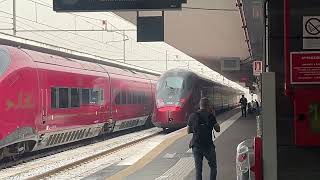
<point x="148" y="157"/>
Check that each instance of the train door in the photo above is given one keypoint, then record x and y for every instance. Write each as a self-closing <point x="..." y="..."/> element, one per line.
<point x="98" y="97"/>
<point x="119" y="100"/>
<point x="105" y="108"/>
<point x="44" y="99"/>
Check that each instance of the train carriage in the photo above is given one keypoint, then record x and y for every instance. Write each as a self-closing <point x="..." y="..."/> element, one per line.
<point x="48" y="100"/>
<point x="178" y="94"/>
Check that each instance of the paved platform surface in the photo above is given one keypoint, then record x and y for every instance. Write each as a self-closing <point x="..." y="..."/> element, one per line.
<point x="175" y="160"/>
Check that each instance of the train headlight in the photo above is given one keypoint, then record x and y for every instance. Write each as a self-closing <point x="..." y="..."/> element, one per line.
<point x="160" y="102"/>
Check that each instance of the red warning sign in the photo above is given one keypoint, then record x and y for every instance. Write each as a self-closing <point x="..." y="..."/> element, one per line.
<point x="257" y="68"/>
<point x="305" y="67"/>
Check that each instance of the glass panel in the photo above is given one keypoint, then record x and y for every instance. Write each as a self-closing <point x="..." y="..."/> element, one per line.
<point x="314" y="115"/>
<point x="118" y="98"/>
<point x="173" y="82"/>
<point x="4" y="61"/>
<point x="94" y="99"/>
<point x="101" y="96"/>
<point x="63" y="97"/>
<point x="129" y="97"/>
<point x="85" y="96"/>
<point x="75" y="97"/>
<point x="54" y="103"/>
<point x="123" y="97"/>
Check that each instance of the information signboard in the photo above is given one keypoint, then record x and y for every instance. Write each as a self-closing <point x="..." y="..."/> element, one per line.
<point x="150" y="29"/>
<point x="114" y="5"/>
<point x="305" y="67"/>
<point x="230" y="64"/>
<point x="257" y="68"/>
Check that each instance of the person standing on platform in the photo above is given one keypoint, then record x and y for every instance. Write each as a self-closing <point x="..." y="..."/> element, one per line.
<point x="201" y="124"/>
<point x="243" y="101"/>
<point x="258" y="107"/>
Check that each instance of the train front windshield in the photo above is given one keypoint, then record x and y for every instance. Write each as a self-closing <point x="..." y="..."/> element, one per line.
<point x="171" y="90"/>
<point x="4" y="61"/>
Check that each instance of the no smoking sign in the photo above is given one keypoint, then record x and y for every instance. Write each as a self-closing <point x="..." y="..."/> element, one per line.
<point x="311" y="26"/>
<point x="311" y="32"/>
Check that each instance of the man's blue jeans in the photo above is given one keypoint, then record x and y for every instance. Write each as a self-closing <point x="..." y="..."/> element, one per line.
<point x="210" y="155"/>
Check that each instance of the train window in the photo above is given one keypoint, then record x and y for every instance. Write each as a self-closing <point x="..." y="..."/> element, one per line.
<point x="174" y="82"/>
<point x="144" y="96"/>
<point x="129" y="97"/>
<point x="63" y="97"/>
<point x="135" y="98"/>
<point x="139" y="98"/>
<point x="4" y="61"/>
<point x="101" y="96"/>
<point x="85" y="96"/>
<point x="75" y="97"/>
<point x="54" y="95"/>
<point x="123" y="96"/>
<point x="94" y="98"/>
<point x="117" y="100"/>
<point x="132" y="97"/>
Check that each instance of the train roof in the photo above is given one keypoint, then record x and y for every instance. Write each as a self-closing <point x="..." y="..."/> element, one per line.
<point x="78" y="64"/>
<point x="187" y="72"/>
<point x="28" y="44"/>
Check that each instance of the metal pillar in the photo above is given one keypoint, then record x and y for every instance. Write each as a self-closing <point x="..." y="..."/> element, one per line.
<point x="14" y="18"/>
<point x="269" y="126"/>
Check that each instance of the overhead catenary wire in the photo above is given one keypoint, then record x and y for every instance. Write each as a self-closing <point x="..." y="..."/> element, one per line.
<point x="57" y="37"/>
<point x="147" y="50"/>
<point x="85" y="37"/>
<point x="3" y="1"/>
<point x="49" y="6"/>
<point x="96" y="19"/>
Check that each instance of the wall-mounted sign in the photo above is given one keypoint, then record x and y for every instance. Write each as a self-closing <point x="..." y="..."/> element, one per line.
<point x="257" y="68"/>
<point x="305" y="67"/>
<point x="311" y="32"/>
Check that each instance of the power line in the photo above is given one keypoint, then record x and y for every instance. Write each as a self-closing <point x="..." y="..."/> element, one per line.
<point x="5" y="22"/>
<point x="3" y="1"/>
<point x="69" y="40"/>
<point x="85" y="37"/>
<point x="87" y="17"/>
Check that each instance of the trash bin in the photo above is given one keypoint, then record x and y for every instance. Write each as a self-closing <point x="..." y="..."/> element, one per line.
<point x="245" y="160"/>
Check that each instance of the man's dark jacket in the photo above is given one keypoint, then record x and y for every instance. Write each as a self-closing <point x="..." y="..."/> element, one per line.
<point x="201" y="124"/>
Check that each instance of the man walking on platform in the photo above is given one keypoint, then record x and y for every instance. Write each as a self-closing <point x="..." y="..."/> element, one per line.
<point x="201" y="124"/>
<point x="243" y="101"/>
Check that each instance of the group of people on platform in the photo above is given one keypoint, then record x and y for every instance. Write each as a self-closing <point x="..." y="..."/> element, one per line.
<point x="202" y="125"/>
<point x="250" y="107"/>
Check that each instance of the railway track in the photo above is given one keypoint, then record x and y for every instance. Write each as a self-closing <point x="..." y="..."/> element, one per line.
<point x="94" y="157"/>
<point x="41" y="163"/>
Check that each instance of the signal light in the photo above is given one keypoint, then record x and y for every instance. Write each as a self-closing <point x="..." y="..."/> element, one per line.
<point x="160" y="102"/>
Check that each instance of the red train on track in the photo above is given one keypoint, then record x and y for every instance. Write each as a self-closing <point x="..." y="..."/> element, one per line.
<point x="178" y="94"/>
<point x="47" y="100"/>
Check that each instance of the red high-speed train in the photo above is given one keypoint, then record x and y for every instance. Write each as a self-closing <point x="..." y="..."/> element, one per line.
<point x="178" y="94"/>
<point x="48" y="100"/>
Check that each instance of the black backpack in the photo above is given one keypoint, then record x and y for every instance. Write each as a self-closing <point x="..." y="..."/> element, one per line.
<point x="201" y="130"/>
